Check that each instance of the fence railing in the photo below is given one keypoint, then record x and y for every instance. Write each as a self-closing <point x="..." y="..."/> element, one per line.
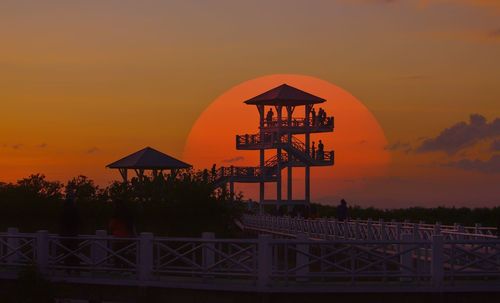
<point x="326" y="228"/>
<point x="260" y="264"/>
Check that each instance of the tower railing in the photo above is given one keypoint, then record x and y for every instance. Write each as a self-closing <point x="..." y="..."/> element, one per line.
<point x="327" y="123"/>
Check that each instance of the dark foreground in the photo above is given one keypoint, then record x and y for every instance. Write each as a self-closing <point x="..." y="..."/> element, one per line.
<point x="94" y="293"/>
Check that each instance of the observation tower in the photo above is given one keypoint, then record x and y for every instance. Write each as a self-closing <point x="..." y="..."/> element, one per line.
<point x="287" y="138"/>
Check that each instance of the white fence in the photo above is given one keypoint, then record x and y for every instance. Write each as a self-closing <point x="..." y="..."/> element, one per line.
<point x="262" y="264"/>
<point x="363" y="229"/>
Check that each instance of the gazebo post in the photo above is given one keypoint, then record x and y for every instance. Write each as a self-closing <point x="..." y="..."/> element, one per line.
<point x="123" y="172"/>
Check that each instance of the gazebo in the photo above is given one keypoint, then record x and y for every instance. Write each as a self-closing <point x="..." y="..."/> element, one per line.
<point x="147" y="159"/>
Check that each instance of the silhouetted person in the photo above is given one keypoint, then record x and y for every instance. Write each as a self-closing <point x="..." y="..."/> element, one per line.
<point x="69" y="227"/>
<point x="313" y="117"/>
<point x="320" y="116"/>
<point x="329" y="121"/>
<point x="321" y="150"/>
<point x="313" y="150"/>
<point x="246" y="138"/>
<point x="269" y="117"/>
<point x="342" y="211"/>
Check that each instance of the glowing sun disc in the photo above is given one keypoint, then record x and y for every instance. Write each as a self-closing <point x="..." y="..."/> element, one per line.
<point x="358" y="140"/>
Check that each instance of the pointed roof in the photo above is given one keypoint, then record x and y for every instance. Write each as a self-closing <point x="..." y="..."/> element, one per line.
<point x="285" y="95"/>
<point x="149" y="158"/>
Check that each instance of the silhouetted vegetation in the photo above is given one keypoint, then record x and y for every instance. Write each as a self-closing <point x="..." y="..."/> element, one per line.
<point x="178" y="205"/>
<point x="445" y="215"/>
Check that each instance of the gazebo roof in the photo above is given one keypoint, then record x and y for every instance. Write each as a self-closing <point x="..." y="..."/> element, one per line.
<point x="285" y="95"/>
<point x="149" y="158"/>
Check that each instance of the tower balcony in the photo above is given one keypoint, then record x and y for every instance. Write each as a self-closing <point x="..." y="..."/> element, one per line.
<point x="300" y="125"/>
<point x="254" y="142"/>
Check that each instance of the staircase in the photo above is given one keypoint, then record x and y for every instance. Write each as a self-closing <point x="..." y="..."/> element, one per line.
<point x="250" y="174"/>
<point x="296" y="155"/>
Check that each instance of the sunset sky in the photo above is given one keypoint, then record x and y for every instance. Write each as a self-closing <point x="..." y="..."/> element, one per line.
<point x="83" y="83"/>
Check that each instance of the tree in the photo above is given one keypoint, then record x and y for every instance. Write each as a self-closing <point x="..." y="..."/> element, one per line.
<point x="83" y="188"/>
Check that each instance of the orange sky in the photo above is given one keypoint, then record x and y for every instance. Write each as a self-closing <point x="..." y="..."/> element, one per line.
<point x="84" y="83"/>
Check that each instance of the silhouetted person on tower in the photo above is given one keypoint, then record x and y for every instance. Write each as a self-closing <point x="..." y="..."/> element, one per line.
<point x="342" y="211"/>
<point x="313" y="117"/>
<point x="321" y="151"/>
<point x="269" y="117"/>
<point x="320" y="116"/>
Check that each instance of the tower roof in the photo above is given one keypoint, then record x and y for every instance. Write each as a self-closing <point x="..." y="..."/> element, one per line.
<point x="285" y="95"/>
<point x="149" y="158"/>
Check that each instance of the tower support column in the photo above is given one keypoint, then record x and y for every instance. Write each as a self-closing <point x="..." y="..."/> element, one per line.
<point x="262" y="169"/>
<point x="279" y="110"/>
<point x="308" y="185"/>
<point x="307" y="181"/>
<point x="289" y="110"/>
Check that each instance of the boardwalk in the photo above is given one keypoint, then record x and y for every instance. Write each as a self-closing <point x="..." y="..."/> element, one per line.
<point x="313" y="256"/>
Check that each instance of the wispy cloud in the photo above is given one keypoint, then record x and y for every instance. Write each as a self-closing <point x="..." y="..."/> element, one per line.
<point x="462" y="135"/>
<point x="235" y="159"/>
<point x="495" y="33"/>
<point x="42" y="145"/>
<point x="92" y="150"/>
<point x="17" y="146"/>
<point x="400" y="146"/>
<point x="413" y="77"/>
<point x="491" y="165"/>
<point x="495" y="145"/>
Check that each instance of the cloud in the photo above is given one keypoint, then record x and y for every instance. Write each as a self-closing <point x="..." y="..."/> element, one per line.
<point x="461" y="135"/>
<point x="17" y="146"/>
<point x="413" y="77"/>
<point x="43" y="145"/>
<point x="92" y="150"/>
<point x="495" y="33"/>
<point x="232" y="160"/>
<point x="489" y="166"/>
<point x="399" y="146"/>
<point x="495" y="145"/>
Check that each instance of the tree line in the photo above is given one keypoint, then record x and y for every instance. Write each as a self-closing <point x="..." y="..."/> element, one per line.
<point x="183" y="204"/>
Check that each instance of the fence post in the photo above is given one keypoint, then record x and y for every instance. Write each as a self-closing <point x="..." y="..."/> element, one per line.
<point x="477" y="229"/>
<point x="326" y="230"/>
<point x="208" y="251"/>
<point x="42" y="251"/>
<point x="98" y="250"/>
<point x="398" y="230"/>
<point x="369" y="231"/>
<point x="264" y="260"/>
<point x="336" y="229"/>
<point x="405" y="257"/>
<point x="145" y="256"/>
<point x="357" y="232"/>
<point x="382" y="227"/>
<point x="461" y="230"/>
<point x="416" y="234"/>
<point x="13" y="244"/>
<point x="437" y="228"/>
<point x="302" y="257"/>
<point x="437" y="259"/>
